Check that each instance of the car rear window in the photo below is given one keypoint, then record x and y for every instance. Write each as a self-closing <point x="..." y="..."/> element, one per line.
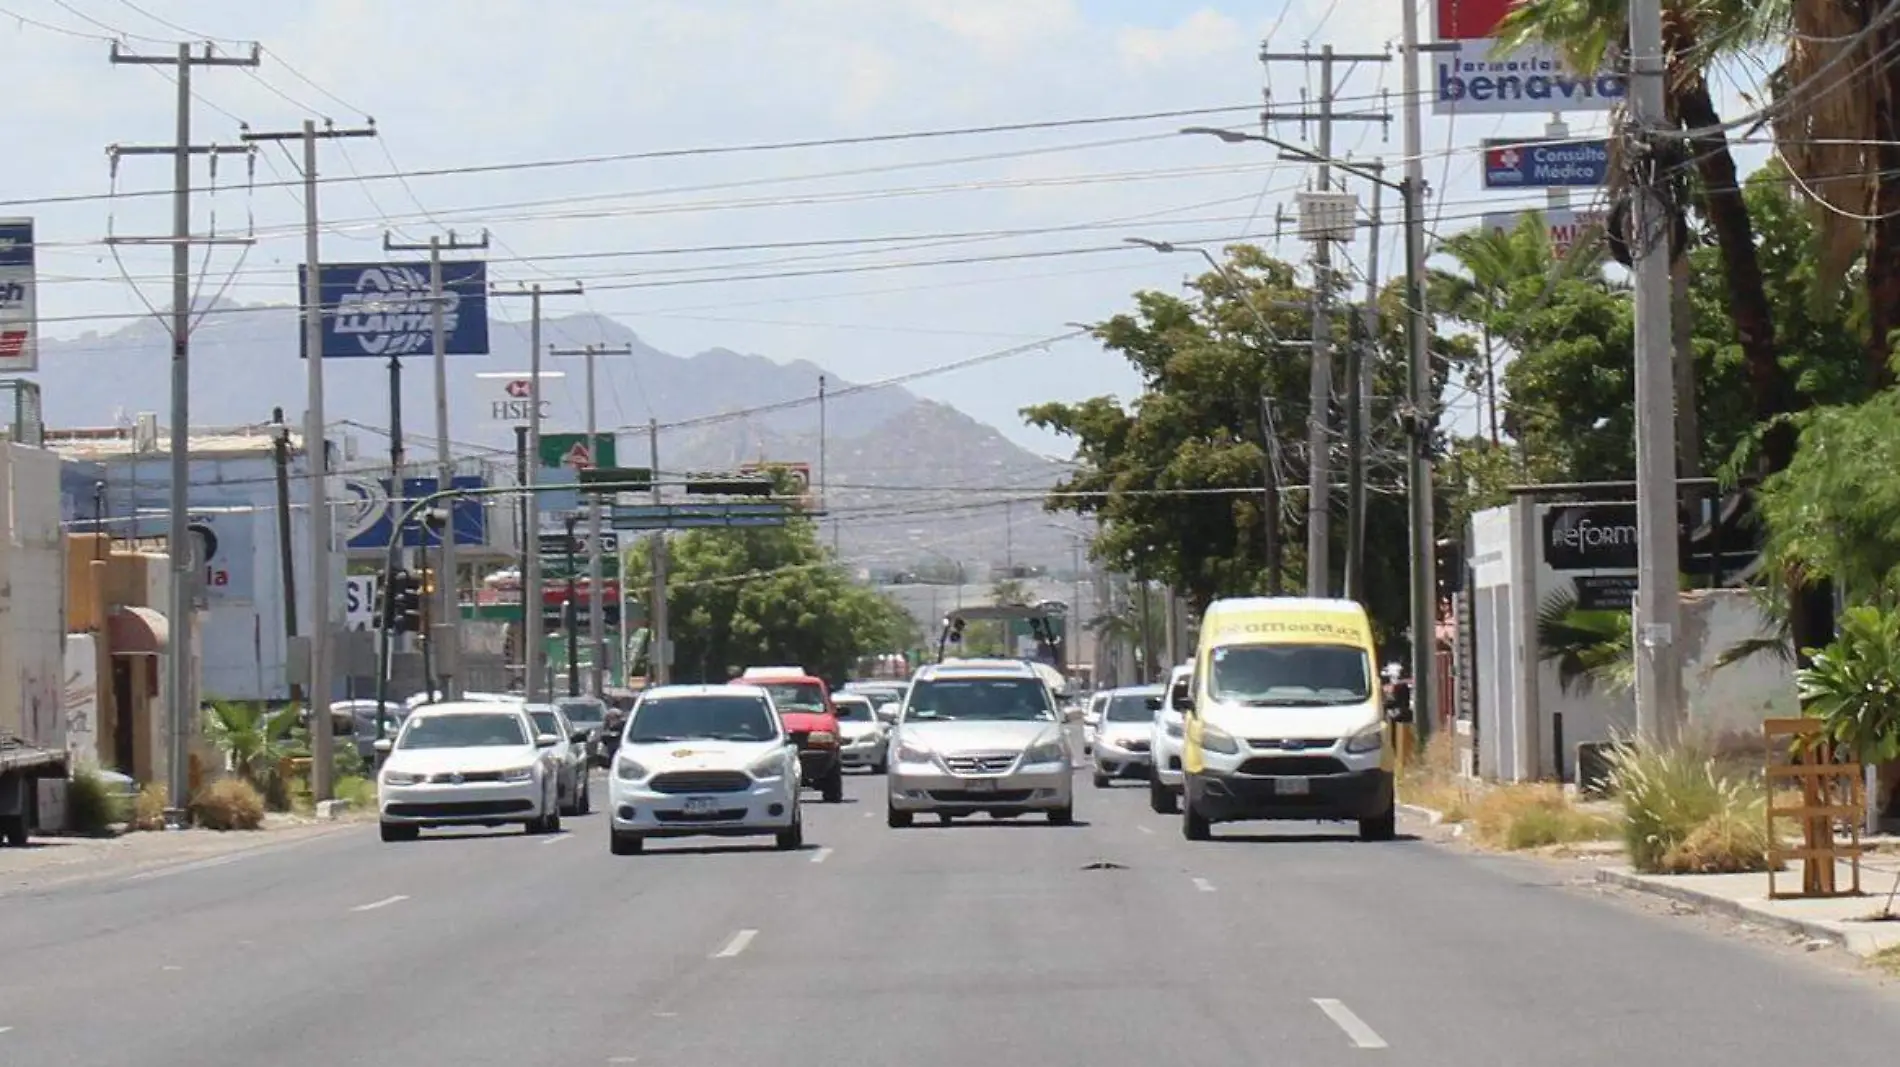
<point x="797" y="696"/>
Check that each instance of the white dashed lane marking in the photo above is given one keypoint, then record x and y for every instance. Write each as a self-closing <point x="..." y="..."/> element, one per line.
<point x="1363" y="1036"/>
<point x="1203" y="885"/>
<point x="383" y="903"/>
<point x="821" y="855"/>
<point x="737" y="945"/>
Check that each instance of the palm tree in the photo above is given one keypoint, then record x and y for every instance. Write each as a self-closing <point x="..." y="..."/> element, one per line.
<point x="252" y="739"/>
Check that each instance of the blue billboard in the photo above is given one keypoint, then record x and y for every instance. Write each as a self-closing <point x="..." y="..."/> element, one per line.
<point x="1545" y="163"/>
<point x="365" y="512"/>
<point x="383" y="309"/>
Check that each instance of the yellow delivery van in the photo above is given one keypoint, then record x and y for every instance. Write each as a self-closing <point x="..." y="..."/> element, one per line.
<point x="1284" y="718"/>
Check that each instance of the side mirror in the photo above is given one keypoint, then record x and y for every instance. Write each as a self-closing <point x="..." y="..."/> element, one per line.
<point x="384" y="745"/>
<point x="888" y="712"/>
<point x="1152" y="703"/>
<point x="581" y="737"/>
<point x="1182" y="699"/>
<point x="546" y="740"/>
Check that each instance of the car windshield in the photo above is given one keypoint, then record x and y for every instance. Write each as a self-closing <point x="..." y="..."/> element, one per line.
<point x="479" y="730"/>
<point x="701" y="718"/>
<point x="1290" y="675"/>
<point x="546" y="722"/>
<point x="853" y="710"/>
<point x="583" y="712"/>
<point x="1130" y="707"/>
<point x="797" y="696"/>
<point x="1002" y="699"/>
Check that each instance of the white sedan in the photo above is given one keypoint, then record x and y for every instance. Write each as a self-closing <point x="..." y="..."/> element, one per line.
<point x="710" y="760"/>
<point x="467" y="764"/>
<point x="866" y="740"/>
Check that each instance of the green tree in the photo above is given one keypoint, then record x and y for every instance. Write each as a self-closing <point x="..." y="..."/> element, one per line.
<point x="740" y="598"/>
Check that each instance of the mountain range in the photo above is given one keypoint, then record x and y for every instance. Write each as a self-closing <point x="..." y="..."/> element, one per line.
<point x="910" y="481"/>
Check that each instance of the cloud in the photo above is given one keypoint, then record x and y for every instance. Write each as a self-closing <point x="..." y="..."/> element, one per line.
<point x="1204" y="33"/>
<point x="1001" y="29"/>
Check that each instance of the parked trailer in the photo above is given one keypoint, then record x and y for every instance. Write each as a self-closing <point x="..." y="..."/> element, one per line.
<point x="21" y="767"/>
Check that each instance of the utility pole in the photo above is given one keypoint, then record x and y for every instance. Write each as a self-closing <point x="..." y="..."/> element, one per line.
<point x="1658" y="608"/>
<point x="316" y="451"/>
<point x="448" y="642"/>
<point x="567" y="615"/>
<point x="286" y="555"/>
<point x="596" y="610"/>
<point x="1426" y="695"/>
<point x="1319" y="414"/>
<point x="180" y="682"/>
<point x="531" y="578"/>
<point x="659" y="658"/>
<point x="822" y="501"/>
<point x="1360" y="372"/>
<point x="1270" y="501"/>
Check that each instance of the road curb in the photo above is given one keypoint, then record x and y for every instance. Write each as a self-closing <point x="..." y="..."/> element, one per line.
<point x="1734" y="909"/>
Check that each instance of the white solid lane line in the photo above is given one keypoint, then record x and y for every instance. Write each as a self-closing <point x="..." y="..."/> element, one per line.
<point x="4" y="1029"/>
<point x="821" y="855"/>
<point x="1363" y="1036"/>
<point x="1203" y="885"/>
<point x="1145" y="829"/>
<point x="383" y="903"/>
<point x="556" y="839"/>
<point x="737" y="945"/>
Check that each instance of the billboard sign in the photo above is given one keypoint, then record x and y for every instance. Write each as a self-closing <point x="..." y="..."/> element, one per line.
<point x="384" y="310"/>
<point x="1566" y="227"/>
<point x="801" y="479"/>
<point x="1590" y="537"/>
<point x="359" y="602"/>
<point x="1545" y="163"/>
<point x="563" y="457"/>
<point x="1470" y="78"/>
<point x="19" y="333"/>
<point x="227" y="546"/>
<point x="365" y="513"/>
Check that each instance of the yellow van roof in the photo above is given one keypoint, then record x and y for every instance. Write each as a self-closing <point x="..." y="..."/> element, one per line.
<point x="1288" y="621"/>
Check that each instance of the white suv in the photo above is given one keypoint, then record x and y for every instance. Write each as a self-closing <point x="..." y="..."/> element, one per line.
<point x="708" y="760"/>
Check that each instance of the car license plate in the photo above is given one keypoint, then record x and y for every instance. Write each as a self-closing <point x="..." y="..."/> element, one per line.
<point x="701" y="805"/>
<point x="1292" y="787"/>
<point x="982" y="785"/>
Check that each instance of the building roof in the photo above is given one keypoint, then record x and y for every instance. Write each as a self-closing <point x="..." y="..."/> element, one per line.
<point x="118" y="442"/>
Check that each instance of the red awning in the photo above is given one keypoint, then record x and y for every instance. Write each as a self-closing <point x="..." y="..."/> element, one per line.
<point x="135" y="631"/>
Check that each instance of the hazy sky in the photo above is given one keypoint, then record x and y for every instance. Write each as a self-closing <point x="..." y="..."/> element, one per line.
<point x="484" y="82"/>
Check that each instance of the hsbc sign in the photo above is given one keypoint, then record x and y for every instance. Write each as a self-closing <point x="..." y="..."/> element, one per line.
<point x="517" y="403"/>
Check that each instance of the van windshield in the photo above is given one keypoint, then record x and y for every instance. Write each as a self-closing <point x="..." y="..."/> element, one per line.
<point x="1290" y="675"/>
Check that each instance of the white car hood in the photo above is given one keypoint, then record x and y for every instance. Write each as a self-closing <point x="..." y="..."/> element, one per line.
<point x="854" y="730"/>
<point x="1313" y="722"/>
<point x="1119" y="732"/>
<point x="699" y="755"/>
<point x="478" y="759"/>
<point x="952" y="737"/>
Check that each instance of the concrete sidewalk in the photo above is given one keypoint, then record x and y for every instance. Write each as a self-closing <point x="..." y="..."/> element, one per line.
<point x="1845" y="921"/>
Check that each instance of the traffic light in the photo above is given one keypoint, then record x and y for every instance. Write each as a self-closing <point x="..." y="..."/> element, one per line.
<point x="1449" y="567"/>
<point x="404" y="605"/>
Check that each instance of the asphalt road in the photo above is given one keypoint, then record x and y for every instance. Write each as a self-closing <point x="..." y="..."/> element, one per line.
<point x="981" y="943"/>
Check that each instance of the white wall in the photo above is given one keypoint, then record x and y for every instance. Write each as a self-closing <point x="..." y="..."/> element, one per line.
<point x="1729" y="703"/>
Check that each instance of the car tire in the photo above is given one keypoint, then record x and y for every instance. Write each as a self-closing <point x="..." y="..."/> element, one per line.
<point x="394" y="832"/>
<point x="1380" y="827"/>
<point x="625" y="844"/>
<point x="832" y="787"/>
<point x="897" y="820"/>
<point x="1161" y="798"/>
<point x="793" y="836"/>
<point x="1064" y="816"/>
<point x="586" y="806"/>
<point x="1101" y="780"/>
<point x="1194" y="825"/>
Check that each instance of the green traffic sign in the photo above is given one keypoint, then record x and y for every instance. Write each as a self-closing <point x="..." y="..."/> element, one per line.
<point x="569" y="451"/>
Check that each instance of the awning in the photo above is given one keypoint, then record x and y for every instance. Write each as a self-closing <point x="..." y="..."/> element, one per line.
<point x="136" y="631"/>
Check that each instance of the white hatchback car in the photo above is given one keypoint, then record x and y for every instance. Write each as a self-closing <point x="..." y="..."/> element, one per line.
<point x="467" y="764"/>
<point x="704" y="760"/>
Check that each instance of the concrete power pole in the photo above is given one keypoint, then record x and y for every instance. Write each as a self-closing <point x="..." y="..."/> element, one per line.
<point x="1360" y="373"/>
<point x="180" y="680"/>
<point x="447" y="638"/>
<point x="531" y="600"/>
<point x="659" y="640"/>
<point x="1658" y="608"/>
<point x="1427" y="698"/>
<point x="596" y="599"/>
<point x="316" y="456"/>
<point x="1319" y="414"/>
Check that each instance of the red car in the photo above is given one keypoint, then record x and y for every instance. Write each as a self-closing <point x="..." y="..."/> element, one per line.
<point x="804" y="702"/>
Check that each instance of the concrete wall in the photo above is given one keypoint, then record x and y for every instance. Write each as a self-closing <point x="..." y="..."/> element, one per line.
<point x="1727" y="704"/>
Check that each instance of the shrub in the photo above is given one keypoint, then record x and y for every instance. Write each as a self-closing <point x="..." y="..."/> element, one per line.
<point x="91" y="805"/>
<point x="148" y="808"/>
<point x="229" y="804"/>
<point x="359" y="792"/>
<point x="1431" y="780"/>
<point x="1682" y="814"/>
<point x="1533" y="816"/>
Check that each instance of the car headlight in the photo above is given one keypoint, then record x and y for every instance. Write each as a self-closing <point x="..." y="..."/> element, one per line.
<point x="1218" y="741"/>
<point x="1371" y="739"/>
<point x="1173" y="729"/>
<point x="403" y="778"/>
<point x="912" y="752"/>
<point x="517" y="774"/>
<point x="629" y="771"/>
<point x="1051" y="751"/>
<point x="821" y="739"/>
<point x="768" y="768"/>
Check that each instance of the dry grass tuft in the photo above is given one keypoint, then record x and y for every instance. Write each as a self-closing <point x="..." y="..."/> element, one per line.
<point x="229" y="804"/>
<point x="1683" y="814"/>
<point x="1432" y="780"/>
<point x="1534" y="816"/>
<point x="148" y="808"/>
